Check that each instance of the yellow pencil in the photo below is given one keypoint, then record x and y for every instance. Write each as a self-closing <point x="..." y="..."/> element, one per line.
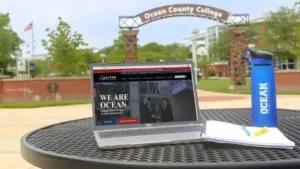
<point x="261" y="131"/>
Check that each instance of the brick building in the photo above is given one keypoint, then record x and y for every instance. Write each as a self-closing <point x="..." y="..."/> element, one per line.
<point x="207" y="37"/>
<point x="291" y="64"/>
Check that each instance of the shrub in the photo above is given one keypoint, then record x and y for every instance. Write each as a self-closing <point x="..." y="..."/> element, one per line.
<point x="211" y="73"/>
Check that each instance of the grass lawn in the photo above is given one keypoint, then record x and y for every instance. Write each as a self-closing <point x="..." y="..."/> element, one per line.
<point x="221" y="85"/>
<point x="42" y="104"/>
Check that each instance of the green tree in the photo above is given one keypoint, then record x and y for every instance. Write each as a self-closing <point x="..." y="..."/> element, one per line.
<point x="204" y="62"/>
<point x="149" y="56"/>
<point x="296" y="29"/>
<point x="119" y="42"/>
<point x="150" y="52"/>
<point x="176" y="52"/>
<point x="220" y="49"/>
<point x="296" y="50"/>
<point x="281" y="35"/>
<point x="9" y="44"/>
<point x="115" y="53"/>
<point x="297" y="6"/>
<point x="86" y="57"/>
<point x="155" y="52"/>
<point x="63" y="46"/>
<point x="253" y="31"/>
<point x="106" y="50"/>
<point x="42" y="68"/>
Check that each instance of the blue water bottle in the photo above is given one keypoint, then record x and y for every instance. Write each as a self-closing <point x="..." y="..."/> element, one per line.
<point x="263" y="90"/>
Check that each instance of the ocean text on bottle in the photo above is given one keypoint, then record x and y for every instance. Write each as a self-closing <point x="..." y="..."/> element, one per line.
<point x="263" y="98"/>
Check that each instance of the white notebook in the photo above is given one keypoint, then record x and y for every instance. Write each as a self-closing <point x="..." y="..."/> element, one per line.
<point x="221" y="132"/>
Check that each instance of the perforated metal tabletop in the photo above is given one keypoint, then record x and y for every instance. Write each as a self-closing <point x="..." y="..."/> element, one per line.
<point x="72" y="145"/>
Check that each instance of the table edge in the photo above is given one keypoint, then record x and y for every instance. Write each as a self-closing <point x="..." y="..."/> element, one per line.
<point x="41" y="158"/>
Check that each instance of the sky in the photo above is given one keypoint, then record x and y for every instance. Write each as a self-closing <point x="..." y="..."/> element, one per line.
<point x="98" y="20"/>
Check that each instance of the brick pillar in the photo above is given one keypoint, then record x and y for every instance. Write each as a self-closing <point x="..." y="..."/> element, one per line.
<point x="130" y="43"/>
<point x="237" y="57"/>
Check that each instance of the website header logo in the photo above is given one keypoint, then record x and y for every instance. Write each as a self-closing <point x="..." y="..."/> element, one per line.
<point x="105" y="78"/>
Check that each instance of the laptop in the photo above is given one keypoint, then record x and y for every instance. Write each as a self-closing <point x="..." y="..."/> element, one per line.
<point x="139" y="104"/>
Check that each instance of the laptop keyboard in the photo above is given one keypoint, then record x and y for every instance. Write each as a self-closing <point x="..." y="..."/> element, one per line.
<point x="149" y="131"/>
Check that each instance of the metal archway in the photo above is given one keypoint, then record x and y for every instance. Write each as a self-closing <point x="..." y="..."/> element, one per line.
<point x="236" y="22"/>
<point x="179" y="10"/>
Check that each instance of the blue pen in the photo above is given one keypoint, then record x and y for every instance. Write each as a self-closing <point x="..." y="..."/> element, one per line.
<point x="246" y="131"/>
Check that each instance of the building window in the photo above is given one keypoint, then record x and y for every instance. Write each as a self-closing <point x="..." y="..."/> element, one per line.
<point x="279" y="64"/>
<point x="285" y="64"/>
<point x="291" y="64"/>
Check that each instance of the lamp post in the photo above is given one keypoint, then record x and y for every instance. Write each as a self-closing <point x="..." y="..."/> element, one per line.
<point x="194" y="47"/>
<point x="28" y="66"/>
<point x="196" y="36"/>
<point x="102" y="55"/>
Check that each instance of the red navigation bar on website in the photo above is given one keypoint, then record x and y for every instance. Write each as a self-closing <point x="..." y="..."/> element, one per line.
<point x="111" y="70"/>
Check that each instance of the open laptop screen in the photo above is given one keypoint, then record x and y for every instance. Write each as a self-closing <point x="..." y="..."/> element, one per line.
<point x="143" y="94"/>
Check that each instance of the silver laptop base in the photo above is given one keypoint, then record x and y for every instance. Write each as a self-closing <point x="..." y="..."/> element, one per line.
<point x="145" y="140"/>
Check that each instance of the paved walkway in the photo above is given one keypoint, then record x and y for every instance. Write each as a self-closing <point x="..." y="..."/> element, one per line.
<point x="206" y="96"/>
<point x="225" y="100"/>
<point x="14" y="123"/>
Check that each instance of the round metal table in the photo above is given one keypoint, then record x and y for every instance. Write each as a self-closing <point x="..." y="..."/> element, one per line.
<point x="72" y="145"/>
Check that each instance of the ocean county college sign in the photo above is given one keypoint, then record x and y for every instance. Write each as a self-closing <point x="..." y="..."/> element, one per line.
<point x="183" y="10"/>
<point x="189" y="10"/>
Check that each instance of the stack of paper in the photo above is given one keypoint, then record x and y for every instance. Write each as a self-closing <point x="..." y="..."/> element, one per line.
<point x="222" y="132"/>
